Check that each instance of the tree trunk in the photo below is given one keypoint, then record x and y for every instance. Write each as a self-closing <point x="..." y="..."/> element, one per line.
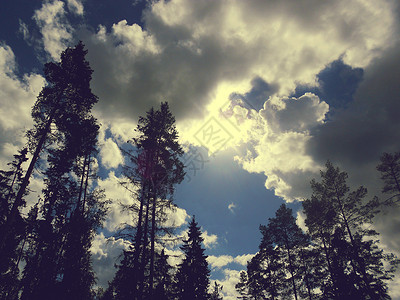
<point x="153" y="232"/>
<point x="18" y="199"/>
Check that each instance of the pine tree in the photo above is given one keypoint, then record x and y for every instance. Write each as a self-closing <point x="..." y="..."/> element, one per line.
<point x="9" y="271"/>
<point x="163" y="277"/>
<point x="335" y="218"/>
<point x="286" y="234"/>
<point x="156" y="170"/>
<point x="390" y="174"/>
<point x="65" y="100"/>
<point x="192" y="278"/>
<point x="265" y="271"/>
<point x="71" y="212"/>
<point x="217" y="291"/>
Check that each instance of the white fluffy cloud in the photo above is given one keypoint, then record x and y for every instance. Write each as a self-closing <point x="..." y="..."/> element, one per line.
<point x="224" y="260"/>
<point x="210" y="240"/>
<point x="17" y="97"/>
<point x="279" y="147"/>
<point x="119" y="195"/>
<point x="76" y="7"/>
<point x="111" y="156"/>
<point x="105" y="253"/>
<point x="55" y="29"/>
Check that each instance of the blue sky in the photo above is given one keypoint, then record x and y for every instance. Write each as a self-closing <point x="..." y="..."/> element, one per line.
<point x="287" y="84"/>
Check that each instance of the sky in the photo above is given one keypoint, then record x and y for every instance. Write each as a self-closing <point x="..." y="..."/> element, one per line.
<point x="264" y="93"/>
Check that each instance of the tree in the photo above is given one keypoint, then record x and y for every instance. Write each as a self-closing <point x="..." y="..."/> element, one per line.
<point x="242" y="286"/>
<point x="390" y="174"/>
<point x="192" y="278"/>
<point x="156" y="170"/>
<point x="336" y="218"/>
<point x="286" y="234"/>
<point x="65" y="100"/>
<point x="58" y="258"/>
<point x="266" y="275"/>
<point x="216" y="293"/>
<point x="163" y="277"/>
<point x="12" y="251"/>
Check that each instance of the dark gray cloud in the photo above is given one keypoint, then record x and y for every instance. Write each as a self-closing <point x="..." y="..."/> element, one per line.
<point x="371" y="124"/>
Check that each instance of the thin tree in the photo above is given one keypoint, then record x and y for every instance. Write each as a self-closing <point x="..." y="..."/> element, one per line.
<point x="156" y="170"/>
<point x="9" y="271"/>
<point x="389" y="168"/>
<point x="216" y="293"/>
<point x="287" y="235"/>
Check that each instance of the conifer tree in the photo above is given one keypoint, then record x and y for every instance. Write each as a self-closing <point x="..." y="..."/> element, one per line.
<point x="156" y="170"/>
<point x="216" y="292"/>
<point x="65" y="100"/>
<point x="287" y="235"/>
<point x="9" y="271"/>
<point x="192" y="278"/>
<point x="58" y="258"/>
<point x="335" y="218"/>
<point x="390" y="174"/>
<point x="242" y="286"/>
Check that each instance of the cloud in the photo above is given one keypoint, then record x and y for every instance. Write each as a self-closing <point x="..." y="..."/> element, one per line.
<point x="177" y="217"/>
<point x="224" y="260"/>
<point x="219" y="261"/>
<point x="243" y="259"/>
<point x="210" y="240"/>
<point x="75" y="6"/>
<point x="278" y="148"/>
<point x="119" y="195"/>
<point x="106" y="253"/>
<point x="55" y="28"/>
<point x="189" y="49"/>
<point x="232" y="207"/>
<point x="18" y="95"/>
<point x="231" y="278"/>
<point x="111" y="156"/>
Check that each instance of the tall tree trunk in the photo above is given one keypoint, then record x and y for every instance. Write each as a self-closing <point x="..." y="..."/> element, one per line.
<point x="153" y="232"/>
<point x="355" y="254"/>
<point x="142" y="264"/>
<point x="81" y="185"/>
<point x="18" y="199"/>
<point x="86" y="184"/>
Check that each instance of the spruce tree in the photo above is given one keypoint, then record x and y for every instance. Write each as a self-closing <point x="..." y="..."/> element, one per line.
<point x="192" y="278"/>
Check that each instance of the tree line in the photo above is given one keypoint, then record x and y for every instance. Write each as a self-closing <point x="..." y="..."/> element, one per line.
<point x="337" y="256"/>
<point x="45" y="251"/>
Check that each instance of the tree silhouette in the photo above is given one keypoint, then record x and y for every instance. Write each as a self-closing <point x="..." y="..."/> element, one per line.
<point x="335" y="218"/>
<point x="156" y="170"/>
<point x="12" y="251"/>
<point x="66" y="99"/>
<point x="242" y="287"/>
<point x="390" y="174"/>
<point x="58" y="257"/>
<point x="216" y="292"/>
<point x="192" y="278"/>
